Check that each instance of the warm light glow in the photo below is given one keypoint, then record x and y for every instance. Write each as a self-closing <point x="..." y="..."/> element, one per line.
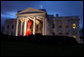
<point x="74" y="26"/>
<point x="37" y="22"/>
<point x="74" y="36"/>
<point x="28" y="32"/>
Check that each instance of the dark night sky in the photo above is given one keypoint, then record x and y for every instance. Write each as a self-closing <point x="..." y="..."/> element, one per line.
<point x="63" y="8"/>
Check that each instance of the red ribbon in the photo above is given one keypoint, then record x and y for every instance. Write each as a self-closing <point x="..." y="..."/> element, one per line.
<point x="28" y="32"/>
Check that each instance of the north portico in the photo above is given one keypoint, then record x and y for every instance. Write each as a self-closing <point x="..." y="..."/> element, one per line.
<point x="37" y="17"/>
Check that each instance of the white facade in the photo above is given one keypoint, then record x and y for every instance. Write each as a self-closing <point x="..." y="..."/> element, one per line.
<point x="62" y="26"/>
<point x="10" y="26"/>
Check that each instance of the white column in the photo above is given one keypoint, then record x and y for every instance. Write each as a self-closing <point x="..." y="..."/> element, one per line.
<point x="25" y="27"/>
<point x="34" y="27"/>
<point x="21" y="27"/>
<point x="5" y="28"/>
<point x="43" y="27"/>
<point x="17" y="29"/>
<point x="10" y="29"/>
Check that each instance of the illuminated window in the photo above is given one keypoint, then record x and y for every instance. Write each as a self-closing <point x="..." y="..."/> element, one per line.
<point x="74" y="33"/>
<point x="74" y="26"/>
<point x="74" y="36"/>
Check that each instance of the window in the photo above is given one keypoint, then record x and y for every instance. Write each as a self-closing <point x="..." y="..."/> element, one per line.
<point x="7" y="26"/>
<point x="74" y="36"/>
<point x="53" y="26"/>
<point x="67" y="25"/>
<point x="74" y="33"/>
<point x="12" y="26"/>
<point x="67" y="34"/>
<point x="60" y="26"/>
<point x="37" y="27"/>
<point x="77" y="26"/>
<point x="60" y="33"/>
<point x="74" y="26"/>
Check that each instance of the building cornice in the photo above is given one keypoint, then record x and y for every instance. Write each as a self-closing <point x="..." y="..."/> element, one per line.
<point x="31" y="14"/>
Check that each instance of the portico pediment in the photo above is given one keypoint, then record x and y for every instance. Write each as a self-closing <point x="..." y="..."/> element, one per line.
<point x="30" y="11"/>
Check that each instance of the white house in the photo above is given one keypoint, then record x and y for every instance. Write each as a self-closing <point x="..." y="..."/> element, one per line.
<point x="43" y="24"/>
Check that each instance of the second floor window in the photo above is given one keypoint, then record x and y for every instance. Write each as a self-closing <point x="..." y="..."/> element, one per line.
<point x="53" y="26"/>
<point x="67" y="26"/>
<point x="60" y="26"/>
<point x="74" y="26"/>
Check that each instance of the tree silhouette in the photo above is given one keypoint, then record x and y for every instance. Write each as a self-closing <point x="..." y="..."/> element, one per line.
<point x="81" y="33"/>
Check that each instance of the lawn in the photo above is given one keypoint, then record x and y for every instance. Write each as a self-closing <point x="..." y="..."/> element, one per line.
<point x="11" y="48"/>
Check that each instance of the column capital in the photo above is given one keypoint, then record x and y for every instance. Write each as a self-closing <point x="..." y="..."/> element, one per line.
<point x="22" y="20"/>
